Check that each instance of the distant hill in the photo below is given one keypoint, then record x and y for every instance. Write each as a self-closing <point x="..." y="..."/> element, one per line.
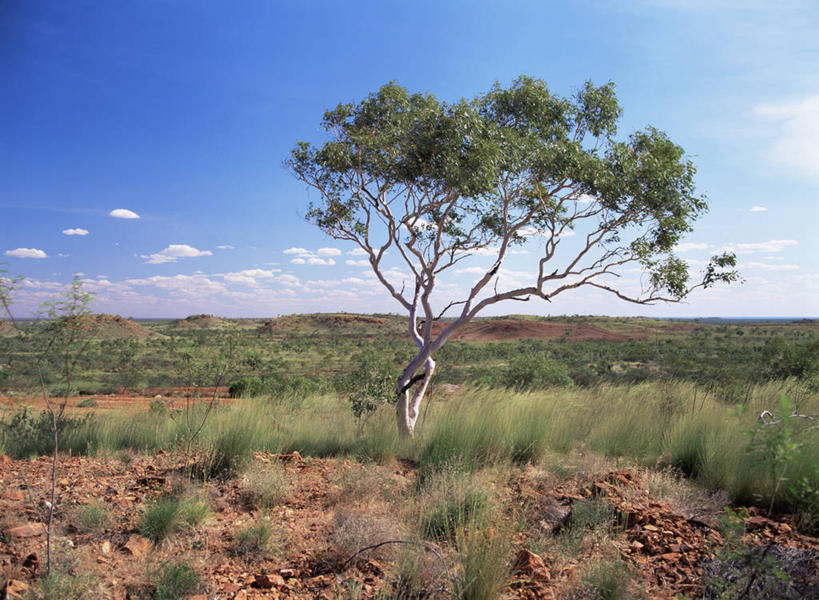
<point x="202" y="321"/>
<point x="7" y="330"/>
<point x="334" y="323"/>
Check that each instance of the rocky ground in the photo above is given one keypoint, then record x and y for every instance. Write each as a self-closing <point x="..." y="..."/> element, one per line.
<point x="670" y="544"/>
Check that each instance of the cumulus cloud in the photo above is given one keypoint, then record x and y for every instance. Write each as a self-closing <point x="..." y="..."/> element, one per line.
<point x="794" y="144"/>
<point x="758" y="209"/>
<point x="357" y="263"/>
<point x="249" y="277"/>
<point x="75" y="231"/>
<point x="308" y="257"/>
<point x="357" y="252"/>
<point x="769" y="246"/>
<point x="26" y="253"/>
<point x="181" y="285"/>
<point x="173" y="253"/>
<point x="688" y="246"/>
<point x="123" y="213"/>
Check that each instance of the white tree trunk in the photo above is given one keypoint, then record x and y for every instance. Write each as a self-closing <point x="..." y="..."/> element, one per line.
<point x="407" y="411"/>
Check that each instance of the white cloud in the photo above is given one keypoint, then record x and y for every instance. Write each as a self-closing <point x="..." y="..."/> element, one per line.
<point x="226" y="247"/>
<point x="249" y="277"/>
<point x="289" y="280"/>
<point x="297" y="251"/>
<point x="688" y="246"/>
<point x="173" y="253"/>
<point x="328" y="252"/>
<point x="315" y="260"/>
<point x="770" y="267"/>
<point x="26" y="253"/>
<point x="357" y="252"/>
<point x="794" y="145"/>
<point x="471" y="271"/>
<point x="75" y="231"/>
<point x="181" y="285"/>
<point x="298" y="261"/>
<point x="123" y="213"/>
<point x="758" y="209"/>
<point x="769" y="246"/>
<point x="357" y="263"/>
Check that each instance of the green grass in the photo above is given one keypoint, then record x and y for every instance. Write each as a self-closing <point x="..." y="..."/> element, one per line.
<point x="174" y="581"/>
<point x="255" y="539"/>
<point x="674" y="424"/>
<point x="91" y="517"/>
<point x="166" y="515"/>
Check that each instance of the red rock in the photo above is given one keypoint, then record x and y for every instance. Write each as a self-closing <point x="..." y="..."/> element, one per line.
<point x="5" y="461"/>
<point x="266" y="582"/>
<point x="28" y="530"/>
<point x="137" y="545"/>
<point x="530" y="564"/>
<point x="15" y="589"/>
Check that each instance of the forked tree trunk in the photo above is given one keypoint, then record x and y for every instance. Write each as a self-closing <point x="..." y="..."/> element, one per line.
<point x="408" y="407"/>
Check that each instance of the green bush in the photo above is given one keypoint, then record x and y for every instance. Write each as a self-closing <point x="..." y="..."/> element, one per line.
<point x="535" y="371"/>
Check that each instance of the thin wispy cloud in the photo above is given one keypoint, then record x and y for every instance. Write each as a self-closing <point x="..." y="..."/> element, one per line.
<point x="226" y="247"/>
<point x="75" y="231"/>
<point x="769" y="246"/>
<point x="794" y="144"/>
<point x="758" y="209"/>
<point x="689" y="246"/>
<point x="173" y="253"/>
<point x="123" y="213"/>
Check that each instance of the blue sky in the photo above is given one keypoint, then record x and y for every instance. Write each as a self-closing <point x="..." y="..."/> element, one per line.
<point x="183" y="112"/>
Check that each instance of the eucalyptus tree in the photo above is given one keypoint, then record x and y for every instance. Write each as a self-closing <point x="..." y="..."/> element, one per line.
<point x="428" y="183"/>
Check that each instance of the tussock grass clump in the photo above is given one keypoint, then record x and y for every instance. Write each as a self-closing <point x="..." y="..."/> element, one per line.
<point x="264" y="486"/>
<point x="483" y="557"/>
<point x="450" y="499"/>
<point x="255" y="539"/>
<point x="91" y="518"/>
<point x="354" y="530"/>
<point x="63" y="585"/>
<point x="159" y="519"/>
<point x="609" y="579"/>
<point x="168" y="514"/>
<point x="174" y="581"/>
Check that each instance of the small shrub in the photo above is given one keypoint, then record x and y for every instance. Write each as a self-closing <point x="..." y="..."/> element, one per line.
<point x="158" y="408"/>
<point x="264" y="487"/>
<point x="159" y="519"/>
<point x="90" y="402"/>
<point x="174" y="581"/>
<point x="246" y="387"/>
<point x="535" y="371"/>
<point x="91" y="517"/>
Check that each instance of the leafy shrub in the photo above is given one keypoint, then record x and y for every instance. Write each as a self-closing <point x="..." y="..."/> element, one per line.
<point x="535" y="371"/>
<point x="369" y="383"/>
<point x="246" y="387"/>
<point x="25" y="435"/>
<point x="89" y="402"/>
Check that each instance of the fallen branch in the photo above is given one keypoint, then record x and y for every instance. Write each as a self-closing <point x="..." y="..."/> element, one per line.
<point x="425" y="546"/>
